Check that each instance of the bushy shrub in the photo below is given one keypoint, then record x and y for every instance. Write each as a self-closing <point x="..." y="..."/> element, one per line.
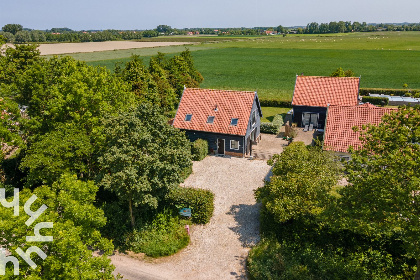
<point x="200" y="201"/>
<point x="272" y="127"/>
<point x="376" y="100"/>
<point x="269" y="128"/>
<point x="165" y="236"/>
<point x="199" y="149"/>
<point x="266" y="102"/>
<point x="278" y="120"/>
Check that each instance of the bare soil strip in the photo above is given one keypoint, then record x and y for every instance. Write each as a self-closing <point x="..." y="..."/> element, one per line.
<point x="66" y="48"/>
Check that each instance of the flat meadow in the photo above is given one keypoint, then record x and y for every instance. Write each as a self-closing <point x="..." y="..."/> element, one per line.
<point x="269" y="64"/>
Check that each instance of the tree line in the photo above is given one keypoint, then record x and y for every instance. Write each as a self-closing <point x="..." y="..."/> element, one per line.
<point x="15" y="33"/>
<point x="347" y="26"/>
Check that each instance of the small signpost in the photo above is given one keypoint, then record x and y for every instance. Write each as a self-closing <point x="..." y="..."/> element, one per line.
<point x="185" y="212"/>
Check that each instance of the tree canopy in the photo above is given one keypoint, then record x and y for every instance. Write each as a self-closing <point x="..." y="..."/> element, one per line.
<point x="301" y="182"/>
<point x="76" y="222"/>
<point x="12" y="28"/>
<point x="144" y="157"/>
<point x="384" y="181"/>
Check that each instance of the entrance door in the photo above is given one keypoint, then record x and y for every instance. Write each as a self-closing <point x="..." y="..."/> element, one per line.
<point x="221" y="146"/>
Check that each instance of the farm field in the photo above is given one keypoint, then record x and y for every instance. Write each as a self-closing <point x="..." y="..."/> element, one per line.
<point x="88" y="47"/>
<point x="270" y="64"/>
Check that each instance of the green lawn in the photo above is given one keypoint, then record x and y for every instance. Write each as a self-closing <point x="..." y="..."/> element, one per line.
<point x="269" y="64"/>
<point x="270" y="112"/>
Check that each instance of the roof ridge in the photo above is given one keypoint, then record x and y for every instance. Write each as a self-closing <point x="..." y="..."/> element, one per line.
<point x="327" y="77"/>
<point x="224" y="90"/>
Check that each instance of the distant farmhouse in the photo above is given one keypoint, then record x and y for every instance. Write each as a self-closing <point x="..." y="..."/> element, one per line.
<point x="228" y="120"/>
<point x="313" y="94"/>
<point x="339" y="134"/>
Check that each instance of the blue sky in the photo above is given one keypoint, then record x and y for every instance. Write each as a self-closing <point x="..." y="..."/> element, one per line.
<point x="130" y="14"/>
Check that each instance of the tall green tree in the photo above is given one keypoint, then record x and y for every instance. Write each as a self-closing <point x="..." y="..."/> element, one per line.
<point x="12" y="28"/>
<point x="15" y="61"/>
<point x="75" y="232"/>
<point x="63" y="90"/>
<point x="341" y="73"/>
<point x="23" y="37"/>
<point x="182" y="72"/>
<point x="383" y="195"/>
<point x="144" y="157"/>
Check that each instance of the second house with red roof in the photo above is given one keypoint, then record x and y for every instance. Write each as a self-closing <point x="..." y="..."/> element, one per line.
<point x="313" y="94"/>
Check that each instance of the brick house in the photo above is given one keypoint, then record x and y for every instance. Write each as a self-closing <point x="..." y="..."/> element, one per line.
<point x="339" y="134"/>
<point x="313" y="94"/>
<point x="228" y="120"/>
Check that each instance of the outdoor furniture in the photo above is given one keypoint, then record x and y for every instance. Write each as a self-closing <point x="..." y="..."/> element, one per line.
<point x="306" y="128"/>
<point x="311" y="127"/>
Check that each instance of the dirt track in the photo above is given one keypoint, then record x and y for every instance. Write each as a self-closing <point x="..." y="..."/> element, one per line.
<point x="65" y="48"/>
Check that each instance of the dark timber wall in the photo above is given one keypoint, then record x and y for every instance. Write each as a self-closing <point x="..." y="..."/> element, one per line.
<point x="212" y="140"/>
<point x="298" y="110"/>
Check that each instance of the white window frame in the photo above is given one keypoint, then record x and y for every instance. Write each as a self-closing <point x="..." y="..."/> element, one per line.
<point x="231" y="120"/>
<point x="186" y="116"/>
<point x="232" y="141"/>
<point x="254" y="118"/>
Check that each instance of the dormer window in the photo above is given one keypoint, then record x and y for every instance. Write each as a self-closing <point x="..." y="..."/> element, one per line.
<point x="188" y="117"/>
<point x="210" y="119"/>
<point x="234" y="121"/>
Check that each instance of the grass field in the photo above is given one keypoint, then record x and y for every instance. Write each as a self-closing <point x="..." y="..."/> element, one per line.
<point x="270" y="112"/>
<point x="269" y="64"/>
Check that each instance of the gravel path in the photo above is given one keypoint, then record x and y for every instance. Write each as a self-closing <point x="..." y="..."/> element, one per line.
<point x="219" y="249"/>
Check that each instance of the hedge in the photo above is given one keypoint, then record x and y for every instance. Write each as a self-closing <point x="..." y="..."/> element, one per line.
<point x="272" y="127"/>
<point x="269" y="128"/>
<point x="265" y="102"/>
<point x="388" y="91"/>
<point x="380" y="101"/>
<point x="199" y="149"/>
<point x="200" y="201"/>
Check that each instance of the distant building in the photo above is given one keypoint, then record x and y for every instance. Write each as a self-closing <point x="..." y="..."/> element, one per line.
<point x="270" y="32"/>
<point x="228" y="120"/>
<point x="313" y="94"/>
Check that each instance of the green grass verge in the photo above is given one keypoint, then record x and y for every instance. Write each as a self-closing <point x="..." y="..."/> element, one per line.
<point x="270" y="112"/>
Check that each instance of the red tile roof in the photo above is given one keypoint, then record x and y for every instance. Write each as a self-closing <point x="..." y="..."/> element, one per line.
<point x="339" y="134"/>
<point x="201" y="103"/>
<point x="323" y="91"/>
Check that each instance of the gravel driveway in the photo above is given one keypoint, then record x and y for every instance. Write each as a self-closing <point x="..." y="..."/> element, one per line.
<point x="219" y="249"/>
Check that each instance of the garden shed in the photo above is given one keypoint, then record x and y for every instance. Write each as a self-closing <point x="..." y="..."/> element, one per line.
<point x="228" y="120"/>
<point x="313" y="94"/>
